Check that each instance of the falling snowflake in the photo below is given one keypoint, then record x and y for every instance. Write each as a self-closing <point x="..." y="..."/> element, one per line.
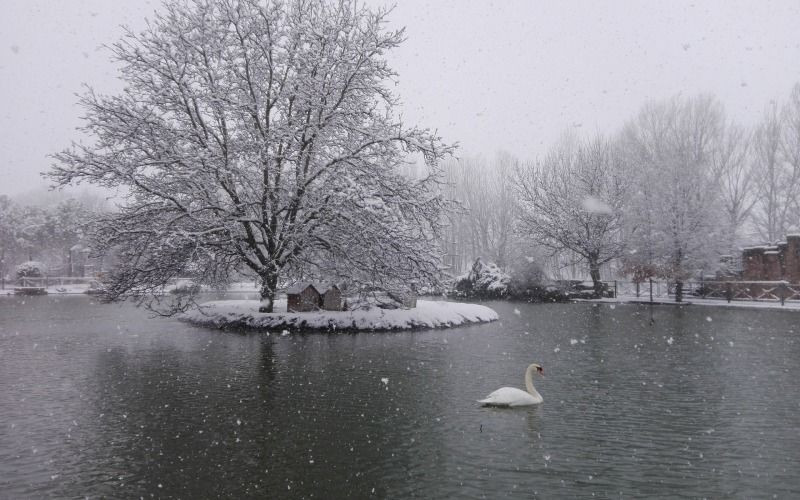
<point x="595" y="205"/>
<point x="670" y="341"/>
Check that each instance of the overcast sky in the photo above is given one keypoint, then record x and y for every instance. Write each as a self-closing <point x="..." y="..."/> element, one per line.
<point x="504" y="75"/>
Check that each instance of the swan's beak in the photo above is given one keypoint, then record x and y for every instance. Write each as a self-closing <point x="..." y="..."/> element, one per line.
<point x="540" y="370"/>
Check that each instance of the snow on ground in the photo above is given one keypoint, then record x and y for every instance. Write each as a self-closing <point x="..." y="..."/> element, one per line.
<point x="53" y="289"/>
<point x="78" y="288"/>
<point x="790" y="305"/>
<point x="427" y="314"/>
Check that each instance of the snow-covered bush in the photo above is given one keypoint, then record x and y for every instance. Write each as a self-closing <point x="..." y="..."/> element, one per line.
<point x="528" y="282"/>
<point x="31" y="269"/>
<point x="484" y="280"/>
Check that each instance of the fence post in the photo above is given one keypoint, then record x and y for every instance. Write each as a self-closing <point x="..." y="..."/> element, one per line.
<point x="782" y="292"/>
<point x="637" y="289"/>
<point x="651" y="290"/>
<point x="615" y="289"/>
<point x="728" y="291"/>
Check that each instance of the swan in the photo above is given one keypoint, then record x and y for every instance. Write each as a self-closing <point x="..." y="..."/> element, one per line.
<point x="511" y="396"/>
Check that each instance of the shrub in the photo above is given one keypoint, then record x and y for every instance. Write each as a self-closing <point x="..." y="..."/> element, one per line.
<point x="484" y="280"/>
<point x="30" y="269"/>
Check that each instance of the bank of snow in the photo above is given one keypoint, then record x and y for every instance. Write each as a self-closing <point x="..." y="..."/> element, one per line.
<point x="427" y="314"/>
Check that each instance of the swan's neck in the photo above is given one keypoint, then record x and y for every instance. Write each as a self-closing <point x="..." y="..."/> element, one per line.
<point x="529" y="381"/>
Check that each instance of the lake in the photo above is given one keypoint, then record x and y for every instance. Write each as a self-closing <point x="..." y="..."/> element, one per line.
<point x="103" y="400"/>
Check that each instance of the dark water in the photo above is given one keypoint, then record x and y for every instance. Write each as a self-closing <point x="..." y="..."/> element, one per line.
<point x="101" y="401"/>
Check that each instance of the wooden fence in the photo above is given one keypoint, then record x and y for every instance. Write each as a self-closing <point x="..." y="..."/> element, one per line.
<point x="760" y="291"/>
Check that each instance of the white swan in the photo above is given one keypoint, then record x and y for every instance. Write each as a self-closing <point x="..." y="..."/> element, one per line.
<point x="511" y="396"/>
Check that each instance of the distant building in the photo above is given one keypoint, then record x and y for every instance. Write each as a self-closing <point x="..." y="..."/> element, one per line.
<point x="773" y="262"/>
<point x="305" y="296"/>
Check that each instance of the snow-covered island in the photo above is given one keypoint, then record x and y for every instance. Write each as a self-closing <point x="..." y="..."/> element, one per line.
<point x="428" y="314"/>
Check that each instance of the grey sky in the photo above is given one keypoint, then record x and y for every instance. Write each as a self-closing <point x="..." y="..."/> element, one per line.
<point x="510" y="75"/>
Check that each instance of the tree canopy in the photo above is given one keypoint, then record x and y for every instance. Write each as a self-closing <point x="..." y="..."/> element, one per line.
<point x="260" y="135"/>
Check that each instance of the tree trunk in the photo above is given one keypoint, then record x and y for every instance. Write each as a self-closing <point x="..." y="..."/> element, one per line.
<point x="594" y="272"/>
<point x="679" y="291"/>
<point x="269" y="285"/>
<point x="678" y="273"/>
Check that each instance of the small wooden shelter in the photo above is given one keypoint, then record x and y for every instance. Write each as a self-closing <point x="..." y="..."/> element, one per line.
<point x="303" y="297"/>
<point x="306" y="296"/>
<point x="332" y="299"/>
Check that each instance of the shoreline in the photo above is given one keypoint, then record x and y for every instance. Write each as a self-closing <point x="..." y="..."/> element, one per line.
<point x="243" y="314"/>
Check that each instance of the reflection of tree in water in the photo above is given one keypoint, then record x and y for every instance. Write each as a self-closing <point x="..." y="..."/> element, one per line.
<point x="177" y="418"/>
<point x="334" y="425"/>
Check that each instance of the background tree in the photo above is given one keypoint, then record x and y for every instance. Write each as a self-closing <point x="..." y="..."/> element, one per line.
<point x="482" y="222"/>
<point x="790" y="149"/>
<point x="259" y="135"/>
<point x="574" y="200"/>
<point x="676" y="222"/>
<point x="43" y="233"/>
<point x="32" y="235"/>
<point x="777" y="187"/>
<point x="737" y="182"/>
<point x="9" y="230"/>
<point x="65" y="226"/>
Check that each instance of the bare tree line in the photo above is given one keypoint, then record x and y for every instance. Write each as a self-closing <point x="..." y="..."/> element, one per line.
<point x="676" y="187"/>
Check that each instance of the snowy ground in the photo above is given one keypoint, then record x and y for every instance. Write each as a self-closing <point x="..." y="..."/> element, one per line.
<point x="78" y="288"/>
<point x="789" y="305"/>
<point x="427" y="314"/>
<point x="53" y="290"/>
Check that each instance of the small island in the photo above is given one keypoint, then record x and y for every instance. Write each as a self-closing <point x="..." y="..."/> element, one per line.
<point x="231" y="314"/>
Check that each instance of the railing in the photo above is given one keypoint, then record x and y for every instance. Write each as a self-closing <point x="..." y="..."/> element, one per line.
<point x="81" y="284"/>
<point x="49" y="281"/>
<point x="758" y="291"/>
<point x="646" y="289"/>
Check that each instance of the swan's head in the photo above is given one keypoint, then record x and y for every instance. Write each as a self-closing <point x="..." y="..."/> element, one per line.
<point x="538" y="368"/>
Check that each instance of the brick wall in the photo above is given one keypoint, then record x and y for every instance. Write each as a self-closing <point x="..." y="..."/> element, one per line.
<point x="773" y="263"/>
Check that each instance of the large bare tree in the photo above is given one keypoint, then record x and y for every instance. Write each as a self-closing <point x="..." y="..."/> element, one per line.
<point x="574" y="200"/>
<point x="263" y="135"/>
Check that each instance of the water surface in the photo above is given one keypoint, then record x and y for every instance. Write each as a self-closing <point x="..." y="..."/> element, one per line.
<point x="99" y="400"/>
